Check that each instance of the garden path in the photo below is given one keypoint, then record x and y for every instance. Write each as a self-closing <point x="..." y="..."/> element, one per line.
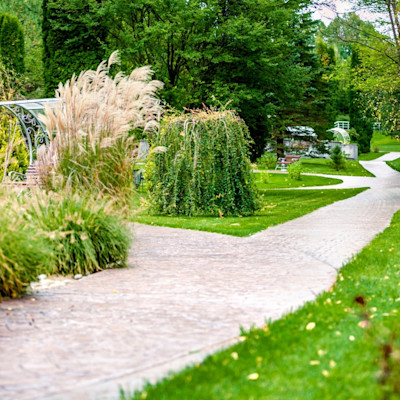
<point x="185" y="295"/>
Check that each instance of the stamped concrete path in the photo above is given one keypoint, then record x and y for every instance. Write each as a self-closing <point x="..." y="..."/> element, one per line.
<point x="186" y="294"/>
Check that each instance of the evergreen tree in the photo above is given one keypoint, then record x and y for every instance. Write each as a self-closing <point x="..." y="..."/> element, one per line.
<point x="72" y="39"/>
<point x="12" y="47"/>
<point x="358" y="118"/>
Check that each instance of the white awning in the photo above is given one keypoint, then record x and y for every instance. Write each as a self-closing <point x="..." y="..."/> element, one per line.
<point x="340" y="135"/>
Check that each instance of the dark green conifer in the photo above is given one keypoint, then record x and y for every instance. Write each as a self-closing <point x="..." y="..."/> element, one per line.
<point x="12" y="47"/>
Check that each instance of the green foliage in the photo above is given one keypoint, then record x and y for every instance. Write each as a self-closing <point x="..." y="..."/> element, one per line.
<point x="24" y="252"/>
<point x="86" y="238"/>
<point x="337" y="158"/>
<point x="205" y="167"/>
<point x="87" y="167"/>
<point x="72" y="37"/>
<point x="294" y="171"/>
<point x="255" y="54"/>
<point x="358" y="117"/>
<point x="12" y="45"/>
<point x="267" y="161"/>
<point x="13" y="151"/>
<point x="56" y="234"/>
<point x="30" y="16"/>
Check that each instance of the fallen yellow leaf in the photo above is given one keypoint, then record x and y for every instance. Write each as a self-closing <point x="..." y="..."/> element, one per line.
<point x="253" y="377"/>
<point x="310" y="326"/>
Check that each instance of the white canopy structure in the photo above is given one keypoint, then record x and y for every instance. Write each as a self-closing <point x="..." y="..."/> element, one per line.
<point x="340" y="135"/>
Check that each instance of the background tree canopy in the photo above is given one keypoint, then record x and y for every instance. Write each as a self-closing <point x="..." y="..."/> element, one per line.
<point x="256" y="54"/>
<point x="268" y="58"/>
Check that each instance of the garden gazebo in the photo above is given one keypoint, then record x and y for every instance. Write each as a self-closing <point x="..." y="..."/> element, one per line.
<point x="25" y="114"/>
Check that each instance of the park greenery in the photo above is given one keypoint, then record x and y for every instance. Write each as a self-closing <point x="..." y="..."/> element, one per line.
<point x="276" y="65"/>
<point x="207" y="83"/>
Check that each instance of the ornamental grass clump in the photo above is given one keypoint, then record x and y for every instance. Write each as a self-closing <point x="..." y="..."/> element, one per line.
<point x="25" y="252"/>
<point x="92" y="144"/>
<point x="200" y="166"/>
<point x="85" y="236"/>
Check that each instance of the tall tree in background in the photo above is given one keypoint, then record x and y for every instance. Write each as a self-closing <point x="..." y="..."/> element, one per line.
<point x="29" y="13"/>
<point x="12" y="45"/>
<point x="252" y="53"/>
<point x="377" y="75"/>
<point x="358" y="116"/>
<point x="72" y="39"/>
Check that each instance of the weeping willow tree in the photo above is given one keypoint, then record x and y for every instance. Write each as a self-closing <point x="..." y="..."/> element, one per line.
<point x="201" y="166"/>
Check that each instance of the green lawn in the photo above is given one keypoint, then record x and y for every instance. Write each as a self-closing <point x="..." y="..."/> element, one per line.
<point x="371" y="156"/>
<point x="384" y="143"/>
<point x="277" y="180"/>
<point x="278" y="206"/>
<point x="395" y="164"/>
<point x="323" y="166"/>
<point x="345" y="345"/>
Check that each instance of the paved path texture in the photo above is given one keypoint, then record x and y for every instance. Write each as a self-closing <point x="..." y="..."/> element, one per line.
<point x="185" y="294"/>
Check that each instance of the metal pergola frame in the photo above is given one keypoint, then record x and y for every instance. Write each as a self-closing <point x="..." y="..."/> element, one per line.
<point x="27" y="113"/>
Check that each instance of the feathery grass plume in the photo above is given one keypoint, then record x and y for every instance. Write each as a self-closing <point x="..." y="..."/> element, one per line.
<point x="85" y="236"/>
<point x="91" y="147"/>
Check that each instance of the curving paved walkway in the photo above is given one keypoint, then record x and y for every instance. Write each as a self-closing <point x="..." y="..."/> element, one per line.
<point x="185" y="295"/>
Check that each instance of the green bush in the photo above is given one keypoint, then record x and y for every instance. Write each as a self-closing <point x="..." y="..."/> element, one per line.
<point x="12" y="47"/>
<point x="202" y="166"/>
<point x="14" y="156"/>
<point x="86" y="238"/>
<point x="267" y="161"/>
<point x="338" y="160"/>
<point x="294" y="171"/>
<point x="73" y="40"/>
<point x="24" y="252"/>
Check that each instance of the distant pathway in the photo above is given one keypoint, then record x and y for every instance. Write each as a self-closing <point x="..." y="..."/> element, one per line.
<point x="185" y="295"/>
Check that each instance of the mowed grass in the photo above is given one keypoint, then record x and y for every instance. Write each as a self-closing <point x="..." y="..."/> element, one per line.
<point x="383" y="142"/>
<point x="395" y="164"/>
<point x="324" y="166"/>
<point x="344" y="345"/>
<point x="371" y="156"/>
<point x="278" y="206"/>
<point x="278" y="180"/>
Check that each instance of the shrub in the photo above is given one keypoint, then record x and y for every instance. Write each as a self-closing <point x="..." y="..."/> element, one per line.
<point x="294" y="171"/>
<point x="24" y="252"/>
<point x="85" y="237"/>
<point x="13" y="152"/>
<point x="338" y="160"/>
<point x="204" y="168"/>
<point x="92" y="149"/>
<point x="12" y="47"/>
<point x="267" y="161"/>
